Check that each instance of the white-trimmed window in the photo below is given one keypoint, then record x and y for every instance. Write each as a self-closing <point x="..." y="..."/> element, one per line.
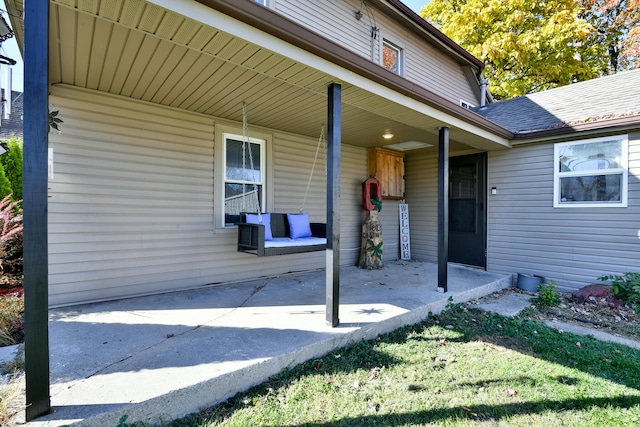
<point x="262" y="2"/>
<point x="242" y="177"/>
<point x="465" y="104"/>
<point x="392" y="57"/>
<point x="591" y="172"/>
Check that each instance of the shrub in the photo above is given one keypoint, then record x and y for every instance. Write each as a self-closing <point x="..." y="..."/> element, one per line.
<point x="547" y="294"/>
<point x="12" y="164"/>
<point x="10" y="399"/>
<point x="5" y="184"/>
<point x="11" y="319"/>
<point x="625" y="287"/>
<point x="10" y="234"/>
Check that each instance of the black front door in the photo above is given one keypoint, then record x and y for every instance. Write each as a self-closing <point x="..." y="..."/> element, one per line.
<point x="467" y="209"/>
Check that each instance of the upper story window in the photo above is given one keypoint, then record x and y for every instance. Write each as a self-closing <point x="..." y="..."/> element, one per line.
<point x="262" y="2"/>
<point x="591" y="172"/>
<point x="466" y="104"/>
<point x="391" y="57"/>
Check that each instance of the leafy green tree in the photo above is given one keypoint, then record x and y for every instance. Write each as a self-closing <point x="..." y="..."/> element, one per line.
<point x="617" y="23"/>
<point x="527" y="46"/>
<point x="12" y="163"/>
<point x="5" y="184"/>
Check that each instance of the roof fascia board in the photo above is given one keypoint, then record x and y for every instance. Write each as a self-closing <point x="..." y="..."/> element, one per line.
<point x="621" y="124"/>
<point x="427" y="31"/>
<point x="253" y="22"/>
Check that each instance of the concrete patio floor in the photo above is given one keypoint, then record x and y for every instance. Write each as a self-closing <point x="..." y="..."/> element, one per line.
<point x="157" y="358"/>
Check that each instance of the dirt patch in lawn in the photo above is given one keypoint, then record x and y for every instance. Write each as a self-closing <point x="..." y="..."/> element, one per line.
<point x="599" y="313"/>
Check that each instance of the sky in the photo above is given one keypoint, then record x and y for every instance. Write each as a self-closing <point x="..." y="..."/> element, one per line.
<point x="415" y="5"/>
<point x="10" y="48"/>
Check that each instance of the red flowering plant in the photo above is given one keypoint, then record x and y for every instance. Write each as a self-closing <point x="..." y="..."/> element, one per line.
<point x="11" y="279"/>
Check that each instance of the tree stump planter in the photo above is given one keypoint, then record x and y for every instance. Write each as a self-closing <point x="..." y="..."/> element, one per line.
<point x="371" y="245"/>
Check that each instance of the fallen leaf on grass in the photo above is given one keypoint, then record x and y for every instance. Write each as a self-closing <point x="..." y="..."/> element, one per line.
<point x="510" y="391"/>
<point x="356" y="384"/>
<point x="578" y="344"/>
<point x="374" y="373"/>
<point x="443" y="341"/>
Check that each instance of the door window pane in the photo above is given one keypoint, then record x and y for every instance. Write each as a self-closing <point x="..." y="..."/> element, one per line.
<point x="462" y="199"/>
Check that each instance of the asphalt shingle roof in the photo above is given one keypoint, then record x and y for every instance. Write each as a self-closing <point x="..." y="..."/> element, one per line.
<point x="601" y="99"/>
<point x="13" y="126"/>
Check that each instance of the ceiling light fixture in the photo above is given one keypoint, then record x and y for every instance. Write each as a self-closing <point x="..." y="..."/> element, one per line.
<point x="387" y="135"/>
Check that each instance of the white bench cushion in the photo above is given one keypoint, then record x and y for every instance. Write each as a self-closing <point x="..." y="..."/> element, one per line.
<point x="285" y="242"/>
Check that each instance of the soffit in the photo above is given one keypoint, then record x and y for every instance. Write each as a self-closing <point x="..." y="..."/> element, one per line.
<point x="143" y="51"/>
<point x="15" y="9"/>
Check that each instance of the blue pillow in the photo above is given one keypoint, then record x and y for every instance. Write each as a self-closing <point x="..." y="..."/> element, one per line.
<point x="266" y="221"/>
<point x="299" y="225"/>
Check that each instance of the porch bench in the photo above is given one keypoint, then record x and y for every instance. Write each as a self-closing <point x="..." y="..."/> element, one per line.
<point x="251" y="237"/>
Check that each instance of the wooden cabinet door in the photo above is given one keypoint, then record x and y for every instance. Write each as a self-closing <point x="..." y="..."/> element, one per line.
<point x="388" y="167"/>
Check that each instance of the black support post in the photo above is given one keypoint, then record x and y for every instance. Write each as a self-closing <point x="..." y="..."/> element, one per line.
<point x="34" y="176"/>
<point x="443" y="207"/>
<point x="334" y="142"/>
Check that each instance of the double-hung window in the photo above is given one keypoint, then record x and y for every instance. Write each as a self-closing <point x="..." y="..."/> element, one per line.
<point x="592" y="172"/>
<point x="244" y="176"/>
<point x="391" y="57"/>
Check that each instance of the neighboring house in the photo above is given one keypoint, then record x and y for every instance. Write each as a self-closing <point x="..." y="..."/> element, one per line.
<point x="12" y="126"/>
<point x="142" y="186"/>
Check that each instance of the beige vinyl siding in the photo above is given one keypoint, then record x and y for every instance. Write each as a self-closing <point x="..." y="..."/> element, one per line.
<point x="131" y="197"/>
<point x="333" y="19"/>
<point x="424" y="64"/>
<point x="421" y="172"/>
<point x="132" y="200"/>
<point x="389" y="218"/>
<point x="353" y="173"/>
<point x="571" y="246"/>
<point x="293" y="159"/>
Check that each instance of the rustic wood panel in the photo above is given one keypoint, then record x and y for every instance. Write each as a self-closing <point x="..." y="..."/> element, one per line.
<point x="388" y="167"/>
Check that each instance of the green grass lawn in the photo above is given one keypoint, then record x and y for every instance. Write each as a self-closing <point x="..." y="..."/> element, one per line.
<point x="462" y="367"/>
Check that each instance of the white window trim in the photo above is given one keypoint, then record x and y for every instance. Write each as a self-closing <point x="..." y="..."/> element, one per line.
<point x="466" y="104"/>
<point x="219" y="171"/>
<point x="624" y="139"/>
<point x="395" y="46"/>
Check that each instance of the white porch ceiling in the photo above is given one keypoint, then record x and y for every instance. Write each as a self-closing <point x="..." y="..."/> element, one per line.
<point x="143" y="51"/>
